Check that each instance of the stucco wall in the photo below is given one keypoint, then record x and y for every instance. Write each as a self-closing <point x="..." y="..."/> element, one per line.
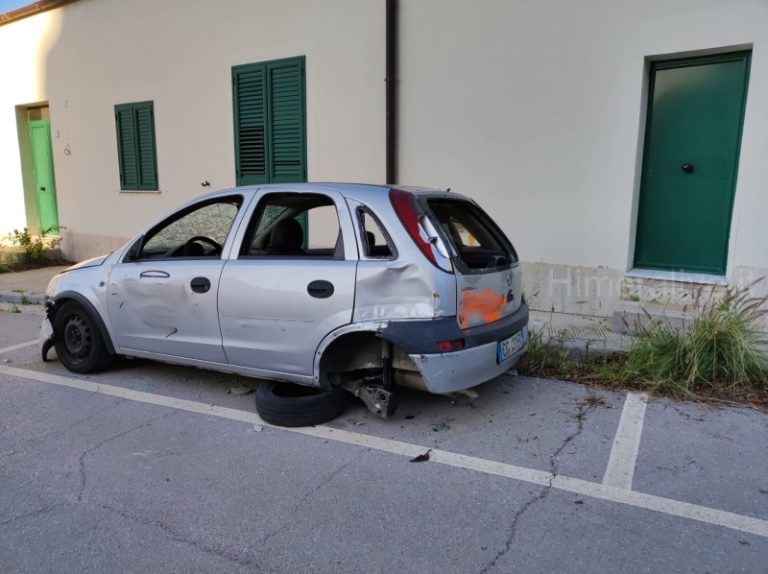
<point x="179" y="54"/>
<point x="537" y="109"/>
<point x="24" y="46"/>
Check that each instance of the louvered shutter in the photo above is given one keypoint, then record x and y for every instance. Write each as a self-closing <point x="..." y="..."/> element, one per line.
<point x="136" y="151"/>
<point x="286" y="92"/>
<point x="270" y="142"/>
<point x="250" y="125"/>
<point x="145" y="138"/>
<point x="126" y="147"/>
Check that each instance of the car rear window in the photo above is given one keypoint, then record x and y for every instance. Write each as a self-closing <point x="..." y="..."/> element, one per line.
<point x="477" y="240"/>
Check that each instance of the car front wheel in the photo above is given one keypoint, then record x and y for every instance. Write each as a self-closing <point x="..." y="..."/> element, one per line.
<point x="79" y="343"/>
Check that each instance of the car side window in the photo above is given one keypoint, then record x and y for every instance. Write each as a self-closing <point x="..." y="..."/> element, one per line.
<point x="290" y="225"/>
<point x="375" y="241"/>
<point x="197" y="231"/>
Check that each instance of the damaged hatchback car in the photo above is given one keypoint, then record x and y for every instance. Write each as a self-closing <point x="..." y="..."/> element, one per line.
<point x="331" y="290"/>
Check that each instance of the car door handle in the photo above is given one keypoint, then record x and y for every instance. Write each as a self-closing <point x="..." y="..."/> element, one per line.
<point x="152" y="274"/>
<point x="320" y="289"/>
<point x="200" y="285"/>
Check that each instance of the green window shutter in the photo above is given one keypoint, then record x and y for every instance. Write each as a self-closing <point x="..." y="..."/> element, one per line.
<point x="126" y="147"/>
<point x="145" y="138"/>
<point x="287" y="156"/>
<point x="270" y="122"/>
<point x="250" y="124"/>
<point x="136" y="148"/>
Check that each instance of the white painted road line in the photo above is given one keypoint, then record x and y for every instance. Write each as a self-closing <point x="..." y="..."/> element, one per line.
<point x="667" y="506"/>
<point x="626" y="444"/>
<point x="17" y="347"/>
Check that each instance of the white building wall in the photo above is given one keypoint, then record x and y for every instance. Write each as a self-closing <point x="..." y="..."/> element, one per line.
<point x="23" y="49"/>
<point x="537" y="110"/>
<point x="534" y="108"/>
<point x="179" y="54"/>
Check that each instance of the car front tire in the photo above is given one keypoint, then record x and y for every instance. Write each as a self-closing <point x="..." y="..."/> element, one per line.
<point x="79" y="343"/>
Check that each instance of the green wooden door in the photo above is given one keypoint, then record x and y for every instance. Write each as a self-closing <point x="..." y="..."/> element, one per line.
<point x="45" y="183"/>
<point x="693" y="132"/>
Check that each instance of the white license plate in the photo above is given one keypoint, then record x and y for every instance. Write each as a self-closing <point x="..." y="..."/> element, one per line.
<point x="511" y="345"/>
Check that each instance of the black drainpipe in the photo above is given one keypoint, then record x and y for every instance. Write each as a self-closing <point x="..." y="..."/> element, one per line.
<point x="391" y="85"/>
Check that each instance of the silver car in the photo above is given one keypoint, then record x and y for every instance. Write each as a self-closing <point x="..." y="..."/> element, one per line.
<point x="336" y="287"/>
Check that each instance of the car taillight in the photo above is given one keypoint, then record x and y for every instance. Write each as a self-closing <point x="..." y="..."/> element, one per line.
<point x="453" y="345"/>
<point x="421" y="229"/>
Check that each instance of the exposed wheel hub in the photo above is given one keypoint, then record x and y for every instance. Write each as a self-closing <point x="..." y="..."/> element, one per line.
<point x="77" y="337"/>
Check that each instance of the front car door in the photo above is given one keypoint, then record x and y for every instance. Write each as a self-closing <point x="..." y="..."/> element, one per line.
<point x="162" y="299"/>
<point x="291" y="283"/>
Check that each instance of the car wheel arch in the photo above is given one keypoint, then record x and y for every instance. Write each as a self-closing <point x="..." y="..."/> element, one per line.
<point x="90" y="308"/>
<point x="353" y="350"/>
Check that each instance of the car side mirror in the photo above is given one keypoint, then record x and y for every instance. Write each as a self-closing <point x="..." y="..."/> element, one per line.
<point x="134" y="250"/>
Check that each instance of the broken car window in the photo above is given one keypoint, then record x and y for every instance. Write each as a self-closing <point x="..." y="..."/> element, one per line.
<point x="197" y="232"/>
<point x="294" y="225"/>
<point x="376" y="244"/>
<point x="476" y="239"/>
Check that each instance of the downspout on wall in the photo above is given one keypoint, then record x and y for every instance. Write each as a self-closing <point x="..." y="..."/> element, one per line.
<point x="391" y="81"/>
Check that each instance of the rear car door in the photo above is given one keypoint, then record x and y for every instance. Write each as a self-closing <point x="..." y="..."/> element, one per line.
<point x="162" y="296"/>
<point x="292" y="283"/>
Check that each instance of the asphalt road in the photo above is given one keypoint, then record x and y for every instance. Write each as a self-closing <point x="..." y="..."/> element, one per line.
<point x="155" y="468"/>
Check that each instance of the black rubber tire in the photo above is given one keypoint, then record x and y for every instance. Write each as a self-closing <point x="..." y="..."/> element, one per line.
<point x="79" y="343"/>
<point x="292" y="405"/>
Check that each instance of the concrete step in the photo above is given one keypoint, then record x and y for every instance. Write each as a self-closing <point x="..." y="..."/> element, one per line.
<point x="664" y="296"/>
<point x="579" y="333"/>
<point x="630" y="316"/>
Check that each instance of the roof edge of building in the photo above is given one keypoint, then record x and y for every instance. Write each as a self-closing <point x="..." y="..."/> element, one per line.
<point x="32" y="9"/>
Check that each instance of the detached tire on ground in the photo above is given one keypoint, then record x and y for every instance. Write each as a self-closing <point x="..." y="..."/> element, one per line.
<point x="292" y="405"/>
<point x="79" y="343"/>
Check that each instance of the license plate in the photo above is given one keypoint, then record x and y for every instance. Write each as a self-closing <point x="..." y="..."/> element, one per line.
<point x="511" y="345"/>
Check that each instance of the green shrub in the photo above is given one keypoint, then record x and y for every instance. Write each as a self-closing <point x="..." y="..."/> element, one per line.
<point x="33" y="248"/>
<point x="723" y="346"/>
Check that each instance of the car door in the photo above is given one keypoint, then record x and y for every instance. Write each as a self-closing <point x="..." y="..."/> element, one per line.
<point x="291" y="284"/>
<point x="162" y="296"/>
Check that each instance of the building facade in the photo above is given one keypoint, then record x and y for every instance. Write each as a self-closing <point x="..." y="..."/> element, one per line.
<point x="621" y="145"/>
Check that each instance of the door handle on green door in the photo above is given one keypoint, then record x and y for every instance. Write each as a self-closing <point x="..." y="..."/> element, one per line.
<point x="687" y="168"/>
<point x="42" y="189"/>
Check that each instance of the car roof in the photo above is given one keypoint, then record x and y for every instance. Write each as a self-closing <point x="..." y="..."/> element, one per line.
<point x="358" y="191"/>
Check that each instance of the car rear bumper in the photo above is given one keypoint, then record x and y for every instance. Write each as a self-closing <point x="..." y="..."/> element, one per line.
<point x="422" y="337"/>
<point x="448" y="372"/>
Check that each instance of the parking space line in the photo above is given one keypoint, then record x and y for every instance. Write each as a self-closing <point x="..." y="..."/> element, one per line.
<point x="626" y="444"/>
<point x="19" y="346"/>
<point x="605" y="492"/>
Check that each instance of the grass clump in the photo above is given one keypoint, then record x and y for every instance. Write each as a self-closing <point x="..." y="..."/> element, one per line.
<point x="722" y="353"/>
<point x="724" y="346"/>
<point x="547" y="358"/>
